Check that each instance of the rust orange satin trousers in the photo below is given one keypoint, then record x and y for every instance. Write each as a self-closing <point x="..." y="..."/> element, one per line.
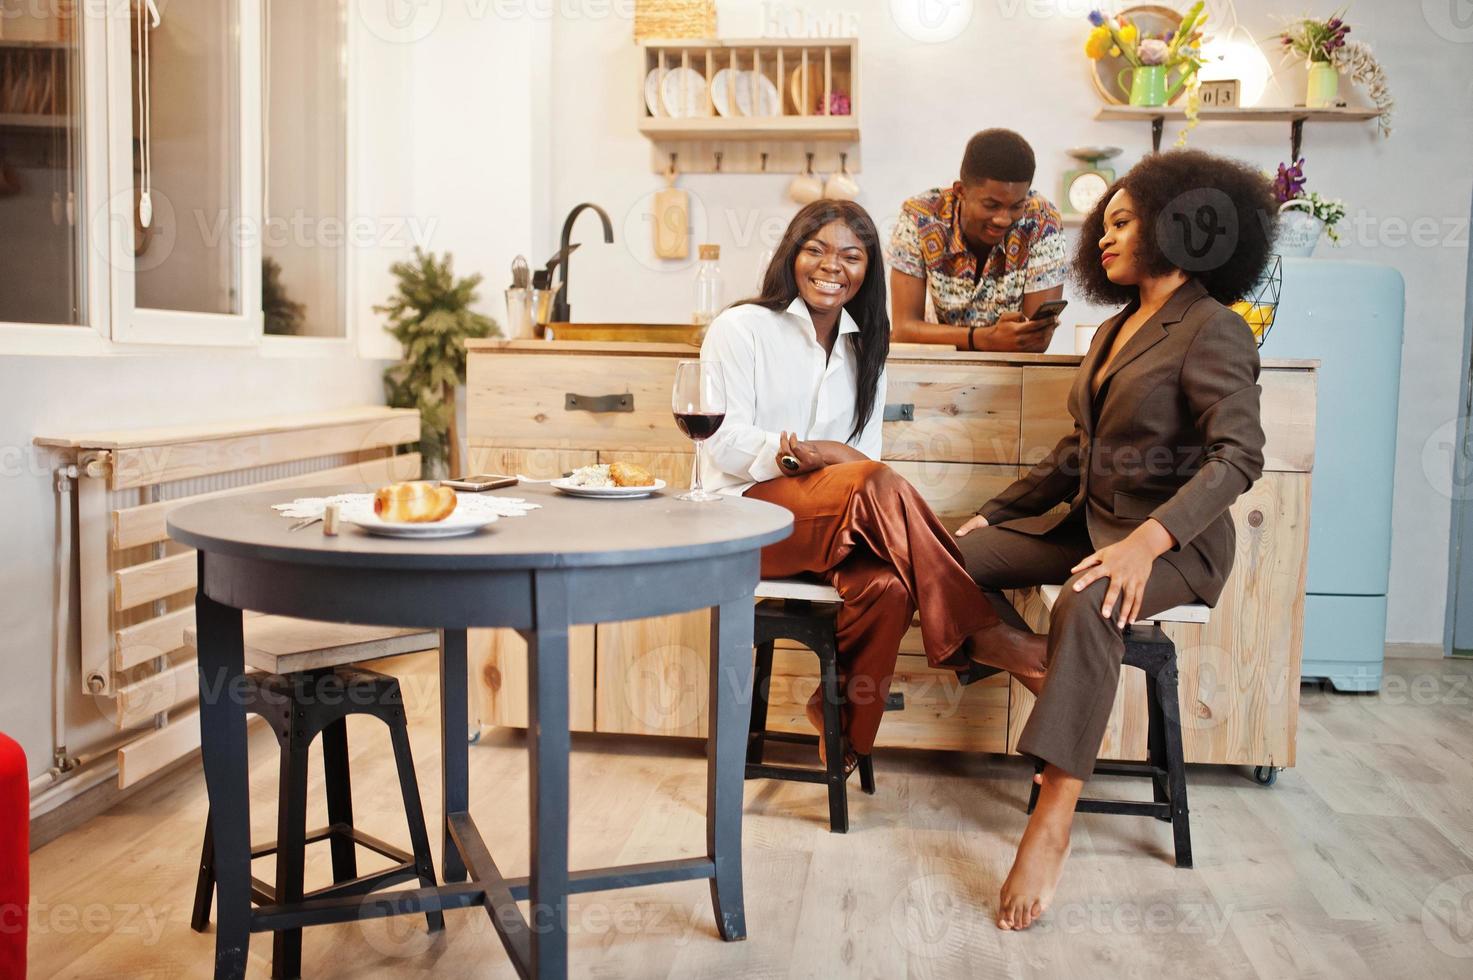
<point x="866" y="531"/>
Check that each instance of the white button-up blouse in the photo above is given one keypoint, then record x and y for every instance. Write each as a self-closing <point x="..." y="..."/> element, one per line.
<point x="778" y="380"/>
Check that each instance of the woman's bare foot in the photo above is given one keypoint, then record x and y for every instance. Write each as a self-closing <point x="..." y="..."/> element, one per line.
<point x="1019" y="652"/>
<point x="1030" y="885"/>
<point x="814" y="711"/>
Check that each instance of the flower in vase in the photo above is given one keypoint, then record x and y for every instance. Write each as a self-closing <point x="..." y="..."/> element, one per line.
<point x="1098" y="44"/>
<point x="1096" y="18"/>
<point x="1289" y="181"/>
<point x="1153" y="51"/>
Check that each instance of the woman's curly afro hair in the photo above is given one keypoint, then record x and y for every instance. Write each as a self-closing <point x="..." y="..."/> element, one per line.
<point x="1211" y="217"/>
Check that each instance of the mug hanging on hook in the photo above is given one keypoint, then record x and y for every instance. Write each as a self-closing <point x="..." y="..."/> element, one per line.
<point x="840" y="186"/>
<point x="806" y="187"/>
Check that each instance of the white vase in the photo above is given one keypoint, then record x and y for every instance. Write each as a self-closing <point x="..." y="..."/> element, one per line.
<point x="1299" y="229"/>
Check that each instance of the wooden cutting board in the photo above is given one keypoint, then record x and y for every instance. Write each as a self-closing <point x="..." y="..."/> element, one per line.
<point x="672" y="221"/>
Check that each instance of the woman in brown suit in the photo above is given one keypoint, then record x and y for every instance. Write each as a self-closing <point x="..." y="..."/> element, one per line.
<point x="1166" y="436"/>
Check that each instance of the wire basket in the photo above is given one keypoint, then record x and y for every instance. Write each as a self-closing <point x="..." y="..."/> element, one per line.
<point x="1260" y="307"/>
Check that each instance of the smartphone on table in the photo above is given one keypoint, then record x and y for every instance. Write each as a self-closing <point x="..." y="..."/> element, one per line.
<point x="479" y="482"/>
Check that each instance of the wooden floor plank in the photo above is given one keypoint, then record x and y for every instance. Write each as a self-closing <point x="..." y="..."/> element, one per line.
<point x="1348" y="868"/>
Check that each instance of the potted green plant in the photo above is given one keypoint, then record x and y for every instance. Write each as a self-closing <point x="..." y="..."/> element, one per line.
<point x="430" y="316"/>
<point x="1329" y="53"/>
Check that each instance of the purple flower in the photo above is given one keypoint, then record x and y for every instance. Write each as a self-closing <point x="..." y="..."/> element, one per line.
<point x="1168" y="36"/>
<point x="1289" y="182"/>
<point x="1096" y="18"/>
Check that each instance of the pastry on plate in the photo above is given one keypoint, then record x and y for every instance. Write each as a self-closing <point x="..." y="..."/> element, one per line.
<point x="414" y="503"/>
<point x="630" y="475"/>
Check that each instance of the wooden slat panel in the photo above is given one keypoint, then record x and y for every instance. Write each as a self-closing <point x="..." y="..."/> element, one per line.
<point x="156" y="750"/>
<point x="145" y="465"/>
<point x="939" y="713"/>
<point x="147" y="524"/>
<point x="152" y="580"/>
<point x="169" y="688"/>
<point x="964" y="413"/>
<point x="956" y="490"/>
<point x="134" y="438"/>
<point x="1046" y="417"/>
<point x="1287" y="409"/>
<point x="1239" y="673"/>
<point x="507" y="408"/>
<point x="652" y="675"/>
<point x="151" y="638"/>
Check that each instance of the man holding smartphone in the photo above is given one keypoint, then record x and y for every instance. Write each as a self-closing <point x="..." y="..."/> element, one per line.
<point x="987" y="253"/>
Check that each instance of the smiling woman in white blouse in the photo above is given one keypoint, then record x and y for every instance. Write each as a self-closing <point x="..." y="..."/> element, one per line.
<point x="804" y="366"/>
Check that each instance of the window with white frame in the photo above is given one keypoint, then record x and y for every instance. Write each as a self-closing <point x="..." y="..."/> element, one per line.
<point x="174" y="172"/>
<point x="42" y="257"/>
<point x="304" y="242"/>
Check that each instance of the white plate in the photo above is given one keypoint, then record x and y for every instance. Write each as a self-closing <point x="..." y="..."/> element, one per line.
<point x="767" y="98"/>
<point x="652" y="93"/>
<point x="741" y="96"/>
<point x="721" y="91"/>
<point x="567" y="486"/>
<point x="695" y="93"/>
<point x="467" y="518"/>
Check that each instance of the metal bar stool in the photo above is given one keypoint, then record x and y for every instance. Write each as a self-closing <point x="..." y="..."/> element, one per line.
<point x="298" y="706"/>
<point x="804" y="612"/>
<point x="1149" y="649"/>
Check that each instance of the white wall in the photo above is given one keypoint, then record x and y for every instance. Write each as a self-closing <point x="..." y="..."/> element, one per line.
<point x="1019" y="63"/>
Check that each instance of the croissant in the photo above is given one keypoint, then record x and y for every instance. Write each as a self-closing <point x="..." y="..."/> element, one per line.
<point x="630" y="475"/>
<point x="414" y="503"/>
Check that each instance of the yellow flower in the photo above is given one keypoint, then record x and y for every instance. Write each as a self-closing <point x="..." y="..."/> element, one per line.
<point x="1114" y="52"/>
<point x="1129" y="33"/>
<point x="1097" y="43"/>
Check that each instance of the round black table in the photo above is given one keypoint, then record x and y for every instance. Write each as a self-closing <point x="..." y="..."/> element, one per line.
<point x="574" y="561"/>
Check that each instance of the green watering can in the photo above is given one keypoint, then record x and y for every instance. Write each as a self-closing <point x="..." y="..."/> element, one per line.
<point x="1148" y="84"/>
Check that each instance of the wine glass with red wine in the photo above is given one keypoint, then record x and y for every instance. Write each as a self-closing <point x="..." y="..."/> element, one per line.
<point x="699" y="402"/>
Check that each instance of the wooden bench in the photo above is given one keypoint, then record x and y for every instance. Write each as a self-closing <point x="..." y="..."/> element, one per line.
<point x="137" y="586"/>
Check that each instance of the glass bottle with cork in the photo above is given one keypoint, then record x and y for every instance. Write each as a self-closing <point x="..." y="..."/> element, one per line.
<point x="708" y="288"/>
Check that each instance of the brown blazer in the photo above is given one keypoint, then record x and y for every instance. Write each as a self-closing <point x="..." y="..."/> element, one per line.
<point x="1173" y="433"/>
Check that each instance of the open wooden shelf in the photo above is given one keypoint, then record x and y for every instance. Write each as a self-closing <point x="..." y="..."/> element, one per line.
<point x="21" y="44"/>
<point x="804" y="72"/>
<point x="31" y="120"/>
<point x="752" y="128"/>
<point x="1295" y="116"/>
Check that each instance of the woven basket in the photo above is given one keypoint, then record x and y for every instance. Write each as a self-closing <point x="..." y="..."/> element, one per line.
<point x="674" y="19"/>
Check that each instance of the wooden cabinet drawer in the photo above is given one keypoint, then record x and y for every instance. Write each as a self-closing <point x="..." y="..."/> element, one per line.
<point x="939" y="713"/>
<point x="521" y="401"/>
<point x="962" y="413"/>
<point x="956" y="490"/>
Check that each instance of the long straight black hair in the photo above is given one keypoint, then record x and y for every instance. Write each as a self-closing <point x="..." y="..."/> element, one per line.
<point x="780" y="287"/>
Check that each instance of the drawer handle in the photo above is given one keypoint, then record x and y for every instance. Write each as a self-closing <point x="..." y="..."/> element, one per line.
<point x="599" y="403"/>
<point x="905" y="412"/>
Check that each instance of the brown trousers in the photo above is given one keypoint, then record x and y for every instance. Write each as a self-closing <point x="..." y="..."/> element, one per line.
<point x="867" y="532"/>
<point x="1084" y="648"/>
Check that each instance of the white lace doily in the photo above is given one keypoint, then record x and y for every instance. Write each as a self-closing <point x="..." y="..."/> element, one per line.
<point x="468" y="504"/>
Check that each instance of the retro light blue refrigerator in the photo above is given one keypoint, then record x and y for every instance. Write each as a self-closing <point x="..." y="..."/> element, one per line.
<point x="1349" y="316"/>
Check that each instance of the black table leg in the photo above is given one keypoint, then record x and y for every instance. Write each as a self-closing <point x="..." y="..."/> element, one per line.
<point x="548" y="746"/>
<point x="730" y="701"/>
<point x="222" y="722"/>
<point x="454" y="752"/>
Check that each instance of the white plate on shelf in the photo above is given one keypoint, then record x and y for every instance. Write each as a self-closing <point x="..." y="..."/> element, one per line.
<point x="608" y="493"/>
<point x="694" y="84"/>
<point x="721" y="91"/>
<point x="767" y="97"/>
<point x="652" y="93"/>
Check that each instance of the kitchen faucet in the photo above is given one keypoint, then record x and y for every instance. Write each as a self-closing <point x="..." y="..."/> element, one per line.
<point x="560" y="310"/>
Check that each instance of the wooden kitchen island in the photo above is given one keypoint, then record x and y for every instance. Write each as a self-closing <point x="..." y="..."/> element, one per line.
<point x="960" y="427"/>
